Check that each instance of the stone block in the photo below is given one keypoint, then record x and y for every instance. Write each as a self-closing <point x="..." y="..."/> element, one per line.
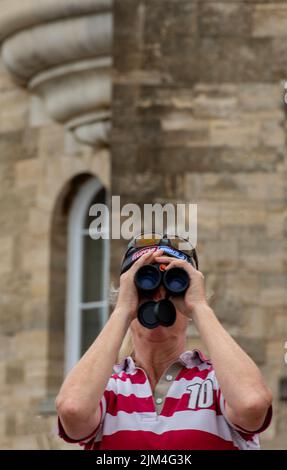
<point x="100" y="166"/>
<point x="227" y="186"/>
<point x="51" y="141"/>
<point x="11" y="318"/>
<point x="31" y="343"/>
<point x="5" y="351"/>
<point x="35" y="252"/>
<point x="276" y="224"/>
<point x="7" y="176"/>
<point x="39" y="221"/>
<point x="276" y="323"/>
<point x="6" y="254"/>
<point x="254" y="347"/>
<point x="35" y="314"/>
<point x="28" y="173"/>
<point x="11" y="146"/>
<point x="260" y="98"/>
<point x="262" y="256"/>
<point x="181" y="120"/>
<point x="234" y="133"/>
<point x="273" y="294"/>
<point x="223" y="256"/>
<point x="40" y="279"/>
<point x="272" y="133"/>
<point x="207" y="219"/>
<point x="270" y="20"/>
<point x="242" y="232"/>
<point x="35" y="372"/>
<point x="24" y="442"/>
<point x="206" y="105"/>
<point x="241" y="214"/>
<point x="254" y="322"/>
<point x="247" y="159"/>
<point x="237" y="59"/>
<point x="279" y="61"/>
<point x="10" y="425"/>
<point x="13" y="110"/>
<point x="224" y="18"/>
<point x="6" y="83"/>
<point x="15" y="372"/>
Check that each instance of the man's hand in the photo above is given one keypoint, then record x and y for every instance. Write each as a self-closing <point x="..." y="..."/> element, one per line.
<point x="195" y="294"/>
<point x="128" y="298"/>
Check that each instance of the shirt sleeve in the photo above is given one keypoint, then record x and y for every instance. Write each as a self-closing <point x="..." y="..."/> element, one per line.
<point x="265" y="425"/>
<point x="86" y="440"/>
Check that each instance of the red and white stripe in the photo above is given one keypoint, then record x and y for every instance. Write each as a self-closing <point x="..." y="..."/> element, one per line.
<point x="130" y="420"/>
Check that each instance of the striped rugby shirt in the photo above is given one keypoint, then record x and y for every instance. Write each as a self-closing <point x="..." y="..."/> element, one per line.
<point x="185" y="412"/>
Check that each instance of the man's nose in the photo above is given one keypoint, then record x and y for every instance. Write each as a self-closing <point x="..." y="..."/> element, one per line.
<point x="159" y="294"/>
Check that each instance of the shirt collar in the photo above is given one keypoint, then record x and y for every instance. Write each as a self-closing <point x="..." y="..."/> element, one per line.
<point x="126" y="365"/>
<point x="193" y="358"/>
<point x="189" y="359"/>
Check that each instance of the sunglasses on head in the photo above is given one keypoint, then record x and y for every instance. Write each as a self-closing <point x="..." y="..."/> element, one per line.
<point x="154" y="239"/>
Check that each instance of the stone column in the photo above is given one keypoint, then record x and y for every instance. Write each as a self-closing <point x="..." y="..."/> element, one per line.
<point x="198" y="117"/>
<point x="61" y="52"/>
<point x="58" y="54"/>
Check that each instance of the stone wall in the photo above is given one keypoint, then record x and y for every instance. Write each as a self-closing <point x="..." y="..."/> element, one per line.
<point x="38" y="168"/>
<point x="198" y="117"/>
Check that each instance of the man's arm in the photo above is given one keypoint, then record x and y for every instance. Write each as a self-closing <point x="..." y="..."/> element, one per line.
<point x="78" y="402"/>
<point x="80" y="395"/>
<point x="247" y="397"/>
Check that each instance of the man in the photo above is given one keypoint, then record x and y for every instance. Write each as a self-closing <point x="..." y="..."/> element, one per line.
<point x="164" y="397"/>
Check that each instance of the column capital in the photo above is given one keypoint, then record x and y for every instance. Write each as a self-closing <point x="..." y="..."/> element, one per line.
<point x="60" y="50"/>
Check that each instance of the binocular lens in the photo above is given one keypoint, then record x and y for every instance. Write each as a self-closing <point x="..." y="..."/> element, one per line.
<point x="165" y="312"/>
<point x="176" y="281"/>
<point x="148" y="279"/>
<point x="152" y="314"/>
<point x="146" y="315"/>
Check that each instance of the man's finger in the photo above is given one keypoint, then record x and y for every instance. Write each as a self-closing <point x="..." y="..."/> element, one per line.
<point x="146" y="257"/>
<point x="172" y="262"/>
<point x="167" y="259"/>
<point x="175" y="263"/>
<point x="164" y="259"/>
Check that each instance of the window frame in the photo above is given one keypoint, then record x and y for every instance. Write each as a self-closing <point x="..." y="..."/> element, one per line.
<point x="75" y="276"/>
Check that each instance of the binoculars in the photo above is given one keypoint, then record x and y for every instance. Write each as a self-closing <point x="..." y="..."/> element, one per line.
<point x="148" y="279"/>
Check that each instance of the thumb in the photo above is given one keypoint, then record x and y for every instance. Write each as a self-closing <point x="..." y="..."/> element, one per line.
<point x="178" y="302"/>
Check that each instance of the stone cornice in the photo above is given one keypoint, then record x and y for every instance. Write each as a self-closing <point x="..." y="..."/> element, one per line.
<point x="35" y="50"/>
<point x="18" y="15"/>
<point x="61" y="51"/>
<point x="75" y="92"/>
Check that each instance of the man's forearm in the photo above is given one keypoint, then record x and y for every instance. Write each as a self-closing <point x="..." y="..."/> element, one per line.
<point x="85" y="384"/>
<point x="239" y="378"/>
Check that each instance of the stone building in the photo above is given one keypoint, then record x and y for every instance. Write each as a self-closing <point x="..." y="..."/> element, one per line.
<point x="194" y="92"/>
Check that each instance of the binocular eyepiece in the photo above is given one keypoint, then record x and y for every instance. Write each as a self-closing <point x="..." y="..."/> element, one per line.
<point x="148" y="279"/>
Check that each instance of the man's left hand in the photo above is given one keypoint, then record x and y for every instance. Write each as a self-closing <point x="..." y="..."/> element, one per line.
<point x="195" y="294"/>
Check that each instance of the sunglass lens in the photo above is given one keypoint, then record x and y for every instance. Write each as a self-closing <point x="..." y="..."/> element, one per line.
<point x="180" y="244"/>
<point x="147" y="240"/>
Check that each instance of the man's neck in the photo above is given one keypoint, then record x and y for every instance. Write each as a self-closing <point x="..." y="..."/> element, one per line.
<point x="155" y="361"/>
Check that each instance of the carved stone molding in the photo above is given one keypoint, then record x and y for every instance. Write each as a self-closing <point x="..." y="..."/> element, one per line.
<point x="61" y="51"/>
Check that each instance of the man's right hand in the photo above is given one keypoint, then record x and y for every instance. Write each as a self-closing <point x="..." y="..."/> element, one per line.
<point x="128" y="299"/>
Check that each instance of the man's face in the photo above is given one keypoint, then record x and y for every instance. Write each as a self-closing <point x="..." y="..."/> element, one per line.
<point x="160" y="332"/>
<point x="158" y="295"/>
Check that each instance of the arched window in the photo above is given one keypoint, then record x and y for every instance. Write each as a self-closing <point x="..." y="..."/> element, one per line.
<point x="87" y="283"/>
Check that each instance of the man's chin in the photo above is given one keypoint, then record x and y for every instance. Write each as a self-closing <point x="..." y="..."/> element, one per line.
<point x="158" y="334"/>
